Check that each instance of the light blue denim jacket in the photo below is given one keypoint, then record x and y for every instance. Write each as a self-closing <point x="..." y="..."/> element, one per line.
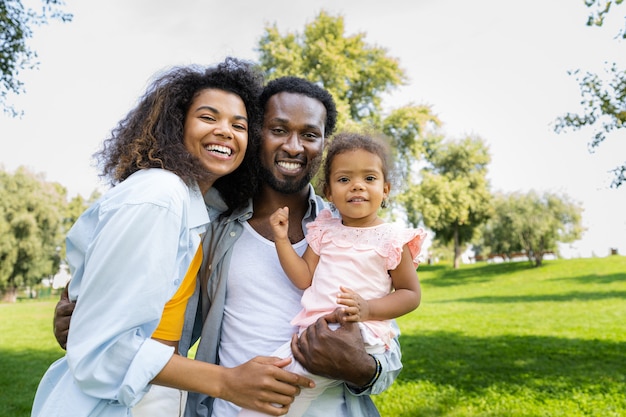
<point x="204" y="316"/>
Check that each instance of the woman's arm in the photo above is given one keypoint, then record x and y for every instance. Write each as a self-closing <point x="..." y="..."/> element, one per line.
<point x="130" y="263"/>
<point x="257" y="384"/>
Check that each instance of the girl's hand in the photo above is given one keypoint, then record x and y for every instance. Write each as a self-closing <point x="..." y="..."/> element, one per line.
<point x="279" y="220"/>
<point x="357" y="308"/>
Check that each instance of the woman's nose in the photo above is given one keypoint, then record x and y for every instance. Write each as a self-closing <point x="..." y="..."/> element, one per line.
<point x="224" y="129"/>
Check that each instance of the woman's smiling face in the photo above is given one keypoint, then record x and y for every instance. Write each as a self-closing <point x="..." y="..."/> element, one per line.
<point x="216" y="132"/>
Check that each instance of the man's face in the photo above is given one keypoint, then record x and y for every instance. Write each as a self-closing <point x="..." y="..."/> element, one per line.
<point x="292" y="141"/>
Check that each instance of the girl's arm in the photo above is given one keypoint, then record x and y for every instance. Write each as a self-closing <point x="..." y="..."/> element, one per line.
<point x="299" y="270"/>
<point x="257" y="384"/>
<point x="403" y="300"/>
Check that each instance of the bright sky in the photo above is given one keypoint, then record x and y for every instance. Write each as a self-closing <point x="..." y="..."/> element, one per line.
<point x="490" y="68"/>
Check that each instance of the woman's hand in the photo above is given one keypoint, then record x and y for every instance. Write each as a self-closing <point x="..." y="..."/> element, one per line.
<point x="260" y="384"/>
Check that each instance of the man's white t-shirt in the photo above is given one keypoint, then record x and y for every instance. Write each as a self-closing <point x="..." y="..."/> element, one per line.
<point x="260" y="303"/>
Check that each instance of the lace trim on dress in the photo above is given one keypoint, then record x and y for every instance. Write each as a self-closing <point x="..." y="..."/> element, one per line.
<point x="387" y="239"/>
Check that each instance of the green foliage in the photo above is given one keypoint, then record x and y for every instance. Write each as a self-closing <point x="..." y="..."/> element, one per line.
<point x="16" y="23"/>
<point x="34" y="217"/>
<point x="601" y="9"/>
<point x="603" y="98"/>
<point x="411" y="129"/>
<point x="531" y="223"/>
<point x="453" y="197"/>
<point x="355" y="73"/>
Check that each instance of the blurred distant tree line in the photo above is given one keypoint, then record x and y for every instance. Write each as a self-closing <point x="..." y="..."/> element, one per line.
<point x="442" y="182"/>
<point x="34" y="217"/>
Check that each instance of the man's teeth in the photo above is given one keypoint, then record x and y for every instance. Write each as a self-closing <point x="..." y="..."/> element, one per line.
<point x="219" y="148"/>
<point x="289" y="165"/>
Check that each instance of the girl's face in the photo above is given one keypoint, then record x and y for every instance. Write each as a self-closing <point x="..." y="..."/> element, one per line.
<point x="357" y="187"/>
<point x="216" y="132"/>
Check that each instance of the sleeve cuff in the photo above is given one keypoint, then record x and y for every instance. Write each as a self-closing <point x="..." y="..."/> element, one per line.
<point x="371" y="382"/>
<point x="149" y="361"/>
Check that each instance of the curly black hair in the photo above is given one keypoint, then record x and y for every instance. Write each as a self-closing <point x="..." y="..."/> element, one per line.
<point x="151" y="134"/>
<point x="297" y="85"/>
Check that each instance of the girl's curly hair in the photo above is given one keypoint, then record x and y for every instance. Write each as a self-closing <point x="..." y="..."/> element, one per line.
<point x="151" y="134"/>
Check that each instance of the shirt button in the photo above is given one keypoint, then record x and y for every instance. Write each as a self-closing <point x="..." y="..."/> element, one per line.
<point x="176" y="282"/>
<point x="233" y="234"/>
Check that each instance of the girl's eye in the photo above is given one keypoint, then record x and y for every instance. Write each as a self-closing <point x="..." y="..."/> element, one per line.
<point x="240" y="127"/>
<point x="370" y="178"/>
<point x="207" y="117"/>
<point x="343" y="179"/>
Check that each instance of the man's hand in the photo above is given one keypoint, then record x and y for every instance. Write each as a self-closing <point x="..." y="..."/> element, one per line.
<point x="338" y="354"/>
<point x="62" y="315"/>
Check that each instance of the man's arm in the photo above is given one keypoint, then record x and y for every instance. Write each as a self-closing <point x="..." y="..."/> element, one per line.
<point x="62" y="315"/>
<point x="341" y="354"/>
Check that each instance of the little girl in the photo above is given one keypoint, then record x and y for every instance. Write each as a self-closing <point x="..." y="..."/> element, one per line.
<point x="357" y="261"/>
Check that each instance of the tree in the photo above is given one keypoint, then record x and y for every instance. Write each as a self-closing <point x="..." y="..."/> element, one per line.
<point x="531" y="223"/>
<point x="355" y="73"/>
<point x="453" y="197"/>
<point x="31" y="225"/>
<point x="16" y="27"/>
<point x="604" y="102"/>
<point x="412" y="131"/>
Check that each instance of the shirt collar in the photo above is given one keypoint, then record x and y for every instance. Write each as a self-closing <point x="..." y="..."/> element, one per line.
<point x="316" y="204"/>
<point x="198" y="215"/>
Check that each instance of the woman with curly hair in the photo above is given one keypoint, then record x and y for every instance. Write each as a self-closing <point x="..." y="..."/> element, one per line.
<point x="135" y="252"/>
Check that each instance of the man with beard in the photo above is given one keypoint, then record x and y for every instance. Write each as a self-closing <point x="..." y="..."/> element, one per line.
<point x="245" y="301"/>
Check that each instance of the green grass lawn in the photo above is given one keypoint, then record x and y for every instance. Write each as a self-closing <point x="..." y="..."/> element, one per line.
<point x="509" y="340"/>
<point x="488" y="340"/>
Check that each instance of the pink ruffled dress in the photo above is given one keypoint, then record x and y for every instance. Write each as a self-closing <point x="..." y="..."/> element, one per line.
<point x="357" y="258"/>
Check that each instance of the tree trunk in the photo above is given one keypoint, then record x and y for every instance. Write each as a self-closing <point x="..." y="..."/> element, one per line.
<point x="457" y="248"/>
<point x="10" y="296"/>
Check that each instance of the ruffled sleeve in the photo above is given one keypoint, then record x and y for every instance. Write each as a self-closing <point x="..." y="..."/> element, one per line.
<point x="317" y="228"/>
<point x="413" y="238"/>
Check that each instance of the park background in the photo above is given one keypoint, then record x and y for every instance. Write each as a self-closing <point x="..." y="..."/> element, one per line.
<point x="489" y="339"/>
<point x="490" y="68"/>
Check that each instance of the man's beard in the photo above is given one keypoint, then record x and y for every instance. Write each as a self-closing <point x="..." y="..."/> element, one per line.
<point x="290" y="186"/>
